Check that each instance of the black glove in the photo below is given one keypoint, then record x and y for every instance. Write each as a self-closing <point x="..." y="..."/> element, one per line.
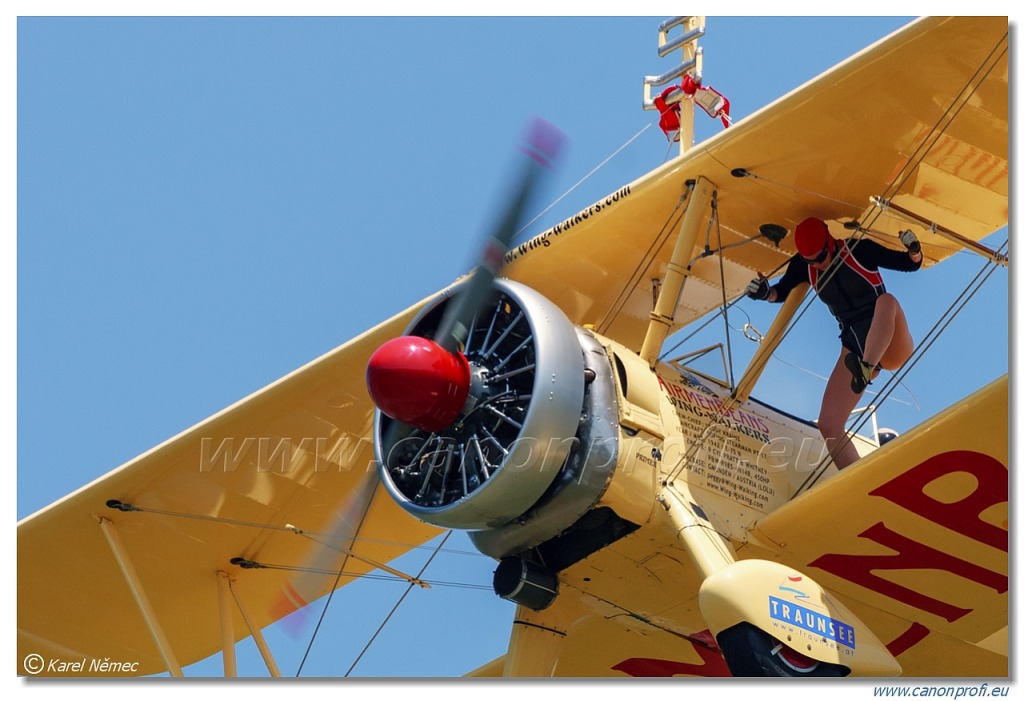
<point x="908" y="239"/>
<point x="758" y="289"/>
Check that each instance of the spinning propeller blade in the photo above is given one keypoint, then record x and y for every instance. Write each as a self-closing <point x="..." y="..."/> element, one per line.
<point x="425" y="382"/>
<point x="422" y="383"/>
<point x="541" y="145"/>
<point x="319" y="574"/>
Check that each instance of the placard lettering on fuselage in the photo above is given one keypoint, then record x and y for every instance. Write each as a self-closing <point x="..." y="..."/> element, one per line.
<point x="748" y="454"/>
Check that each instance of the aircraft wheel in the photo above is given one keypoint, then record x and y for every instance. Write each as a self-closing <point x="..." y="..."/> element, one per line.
<point x="750" y="652"/>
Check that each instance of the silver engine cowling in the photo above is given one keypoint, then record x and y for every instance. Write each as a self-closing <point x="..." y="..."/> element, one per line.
<point x="519" y="424"/>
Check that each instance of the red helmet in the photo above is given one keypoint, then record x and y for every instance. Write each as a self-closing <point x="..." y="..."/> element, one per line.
<point x="811" y="237"/>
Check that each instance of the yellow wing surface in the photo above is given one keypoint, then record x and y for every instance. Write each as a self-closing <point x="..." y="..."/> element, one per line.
<point x="916" y="540"/>
<point x="919" y="119"/>
<point x="224" y="489"/>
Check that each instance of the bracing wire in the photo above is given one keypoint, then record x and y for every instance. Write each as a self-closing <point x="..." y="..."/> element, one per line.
<point x="336" y="573"/>
<point x="949" y="115"/>
<point x="944" y="121"/>
<point x="938" y="328"/>
<point x="314" y="535"/>
<point x="959" y="101"/>
<point x="924" y="148"/>
<point x="398" y="603"/>
<point x="582" y="180"/>
<point x="722" y="310"/>
<point x="334" y="588"/>
<point x="671" y="222"/>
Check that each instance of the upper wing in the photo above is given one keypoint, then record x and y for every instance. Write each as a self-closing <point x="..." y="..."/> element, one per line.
<point x="919" y="118"/>
<point x="916" y="539"/>
<point x="222" y="489"/>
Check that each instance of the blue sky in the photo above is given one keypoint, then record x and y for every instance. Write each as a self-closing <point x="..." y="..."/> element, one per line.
<point x="205" y="204"/>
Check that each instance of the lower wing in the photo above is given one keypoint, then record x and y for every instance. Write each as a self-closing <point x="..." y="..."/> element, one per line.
<point x="915" y="539"/>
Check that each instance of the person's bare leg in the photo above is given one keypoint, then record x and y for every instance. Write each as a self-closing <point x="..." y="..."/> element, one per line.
<point x="901" y="343"/>
<point x="883" y="325"/>
<point x="888" y="343"/>
<point x="836" y="404"/>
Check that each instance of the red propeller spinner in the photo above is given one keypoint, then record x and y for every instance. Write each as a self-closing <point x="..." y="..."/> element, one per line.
<point x="416" y="381"/>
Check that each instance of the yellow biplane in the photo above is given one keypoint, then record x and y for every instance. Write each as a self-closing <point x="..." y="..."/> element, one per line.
<point x="645" y="516"/>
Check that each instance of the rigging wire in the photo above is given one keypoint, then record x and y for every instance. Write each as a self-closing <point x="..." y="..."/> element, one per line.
<point x="334" y="587"/>
<point x="722" y="310"/>
<point x="913" y="403"/>
<point x="655" y="244"/>
<point x="718" y="415"/>
<point x="582" y="180"/>
<point x="251" y="564"/>
<point x="757" y="337"/>
<point x="951" y="312"/>
<point x="288" y="528"/>
<point x="959" y="101"/>
<point x="643" y="619"/>
<point x="668" y="151"/>
<point x="397" y="604"/>
<point x="338" y="574"/>
<point x="670" y="224"/>
<point x="942" y="123"/>
<point x="802" y="191"/>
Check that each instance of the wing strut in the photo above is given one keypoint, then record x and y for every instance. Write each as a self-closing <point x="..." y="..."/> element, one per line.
<point x="227" y="627"/>
<point x="131" y="578"/>
<point x="935" y="228"/>
<point x="710" y="551"/>
<point x="668" y="299"/>
<point x="257" y="634"/>
<point x="733" y="595"/>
